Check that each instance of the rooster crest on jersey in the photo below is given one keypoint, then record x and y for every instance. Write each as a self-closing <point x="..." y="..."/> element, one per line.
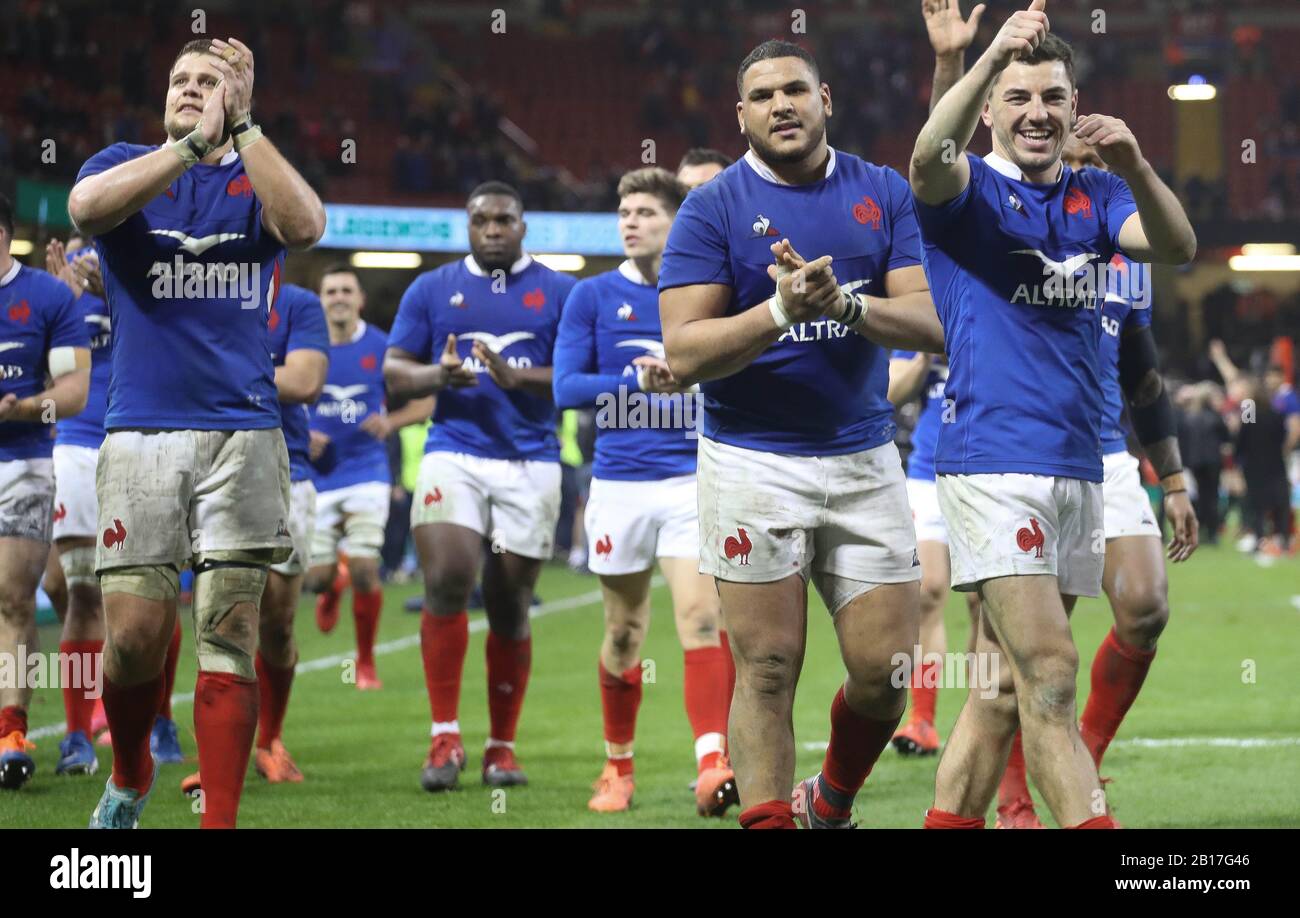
<point x="867" y="212"/>
<point x="735" y="548"/>
<point x="1028" y="540"/>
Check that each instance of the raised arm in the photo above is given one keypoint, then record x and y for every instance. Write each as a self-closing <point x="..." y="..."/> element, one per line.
<point x="291" y="211"/>
<point x="939" y="171"/>
<point x="950" y="36"/>
<point x="1160" y="230"/>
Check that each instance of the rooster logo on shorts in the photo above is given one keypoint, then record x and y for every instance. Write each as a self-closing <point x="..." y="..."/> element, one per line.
<point x="1027" y="540"/>
<point x="433" y="497"/>
<point x="738" y="548"/>
<point x="60" y="512"/>
<point x="604" y="546"/>
<point x="113" y="538"/>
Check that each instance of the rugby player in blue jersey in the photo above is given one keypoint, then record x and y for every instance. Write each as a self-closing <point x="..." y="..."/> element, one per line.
<point x="43" y="335"/>
<point x="191" y="238"/>
<point x="1023" y="241"/>
<point x="798" y="475"/>
<point x="479" y="333"/>
<point x="609" y="355"/>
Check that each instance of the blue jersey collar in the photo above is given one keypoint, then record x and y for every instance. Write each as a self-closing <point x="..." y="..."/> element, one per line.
<point x="1011" y="170"/>
<point x="472" y="266"/>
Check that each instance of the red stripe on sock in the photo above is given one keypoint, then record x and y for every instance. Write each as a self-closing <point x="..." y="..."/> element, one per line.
<point x="169" y="671"/>
<point x="775" y="814"/>
<point x="1014" y="785"/>
<point x="620" y="699"/>
<point x="273" y="686"/>
<point x="705" y="687"/>
<point x="925" y="691"/>
<point x="443" y="641"/>
<point x="78" y="706"/>
<point x="365" y="613"/>
<point x="508" y="665"/>
<point x="225" y="717"/>
<point x="1118" y="671"/>
<point x="131" y="711"/>
<point x="13" y="719"/>
<point x="856" y="743"/>
<point x="941" y="819"/>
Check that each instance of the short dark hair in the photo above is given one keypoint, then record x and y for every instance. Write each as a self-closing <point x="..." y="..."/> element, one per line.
<point x="769" y="50"/>
<point x="1053" y="48"/>
<point x="193" y="46"/>
<point x="340" y="267"/>
<point x="7" y="216"/>
<point x="654" y="181"/>
<point x="699" y="156"/>
<point x="495" y="187"/>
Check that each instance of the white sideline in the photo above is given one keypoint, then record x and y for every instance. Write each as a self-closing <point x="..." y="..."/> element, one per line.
<point x="411" y="640"/>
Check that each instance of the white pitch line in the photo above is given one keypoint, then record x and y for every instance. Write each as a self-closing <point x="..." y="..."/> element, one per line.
<point x="1175" y="742"/>
<point x="411" y="640"/>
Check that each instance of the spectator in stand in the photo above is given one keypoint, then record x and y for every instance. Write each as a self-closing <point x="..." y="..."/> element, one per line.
<point x="1203" y="440"/>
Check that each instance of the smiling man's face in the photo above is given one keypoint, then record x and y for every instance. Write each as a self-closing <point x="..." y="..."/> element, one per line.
<point x="192" y="81"/>
<point x="1030" y="111"/>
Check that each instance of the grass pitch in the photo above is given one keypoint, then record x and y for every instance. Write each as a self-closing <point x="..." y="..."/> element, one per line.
<point x="1213" y="740"/>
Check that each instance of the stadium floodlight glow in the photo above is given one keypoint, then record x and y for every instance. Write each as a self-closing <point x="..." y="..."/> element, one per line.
<point x="562" y="262"/>
<point x="1264" y="262"/>
<point x="20" y="247"/>
<point x="1192" y="92"/>
<point x="1268" y="248"/>
<point x="405" y="260"/>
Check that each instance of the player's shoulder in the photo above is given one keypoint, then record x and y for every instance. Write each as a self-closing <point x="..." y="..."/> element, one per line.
<point x="557" y="280"/>
<point x="112" y="155"/>
<point x="44" y="287"/>
<point x="374" y="335"/>
<point x="1099" y="184"/>
<point x="298" y="296"/>
<point x="854" y="166"/>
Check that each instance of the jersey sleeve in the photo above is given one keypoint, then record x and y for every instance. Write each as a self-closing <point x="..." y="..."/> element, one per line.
<point x="905" y="242"/>
<point x="1119" y="206"/>
<point x="902" y="355"/>
<point x="67" y="326"/>
<point x="576" y="382"/>
<point x="697" y="251"/>
<point x="307" y="328"/>
<point x="936" y="218"/>
<point x="106" y="159"/>
<point x="412" y="329"/>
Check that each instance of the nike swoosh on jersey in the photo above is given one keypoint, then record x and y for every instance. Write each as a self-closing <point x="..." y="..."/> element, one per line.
<point x="1061" y="269"/>
<point x="197" y="245"/>
<point x="656" y="348"/>
<point x="498" y="343"/>
<point x="342" y="393"/>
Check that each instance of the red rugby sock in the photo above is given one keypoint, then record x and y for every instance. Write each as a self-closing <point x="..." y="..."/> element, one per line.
<point x="620" y="699"/>
<point x="508" y="665"/>
<point x="131" y="711"/>
<point x="775" y="814"/>
<point x="940" y="819"/>
<point x="273" y="686"/>
<point x="1118" y="671"/>
<point x="856" y="743"/>
<point x="707" y="702"/>
<point x="78" y="706"/>
<point x="1096" y="822"/>
<point x="365" y="612"/>
<point x="1014" y="785"/>
<point x="225" y="717"/>
<point x="925" y="692"/>
<point x="443" y="641"/>
<point x="13" y="719"/>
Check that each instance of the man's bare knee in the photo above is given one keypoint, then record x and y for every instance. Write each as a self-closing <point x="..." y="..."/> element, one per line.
<point x="1048" y="689"/>
<point x="1141" y="615"/>
<point x="771" y="674"/>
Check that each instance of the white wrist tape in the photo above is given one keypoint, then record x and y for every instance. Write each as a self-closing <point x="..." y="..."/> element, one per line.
<point x="62" y="361"/>
<point x="777" y="308"/>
